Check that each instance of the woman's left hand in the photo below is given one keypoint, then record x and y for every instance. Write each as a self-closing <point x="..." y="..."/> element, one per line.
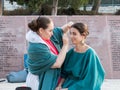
<point x="58" y="88"/>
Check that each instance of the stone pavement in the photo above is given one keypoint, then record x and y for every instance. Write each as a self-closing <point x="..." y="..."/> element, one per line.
<point x="109" y="84"/>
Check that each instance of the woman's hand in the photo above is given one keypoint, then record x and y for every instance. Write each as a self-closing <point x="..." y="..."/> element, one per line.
<point x="64" y="89"/>
<point x="58" y="88"/>
<point x="67" y="27"/>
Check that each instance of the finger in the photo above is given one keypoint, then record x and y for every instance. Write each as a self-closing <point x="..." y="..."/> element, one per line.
<point x="70" y="24"/>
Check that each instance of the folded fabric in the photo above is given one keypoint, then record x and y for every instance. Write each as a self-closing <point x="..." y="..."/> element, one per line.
<point x="16" y="77"/>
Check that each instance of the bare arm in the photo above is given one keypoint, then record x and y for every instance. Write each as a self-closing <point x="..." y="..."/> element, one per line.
<point x="61" y="56"/>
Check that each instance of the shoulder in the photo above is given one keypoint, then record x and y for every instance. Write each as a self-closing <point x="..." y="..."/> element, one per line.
<point x="57" y="30"/>
<point x="91" y="51"/>
<point x="38" y="46"/>
<point x="70" y="51"/>
<point x="93" y="56"/>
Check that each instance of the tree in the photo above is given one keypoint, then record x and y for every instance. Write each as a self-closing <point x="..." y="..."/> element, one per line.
<point x="1" y="6"/>
<point x="53" y="5"/>
<point x="54" y="8"/>
<point x="35" y="5"/>
<point x="96" y="5"/>
<point x="75" y="4"/>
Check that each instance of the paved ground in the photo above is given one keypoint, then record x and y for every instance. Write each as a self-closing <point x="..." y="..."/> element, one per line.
<point x="9" y="86"/>
<point x="109" y="84"/>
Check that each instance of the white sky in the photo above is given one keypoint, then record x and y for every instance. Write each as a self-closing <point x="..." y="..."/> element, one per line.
<point x="9" y="6"/>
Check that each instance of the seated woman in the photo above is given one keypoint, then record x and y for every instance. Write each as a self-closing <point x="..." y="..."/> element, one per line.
<point x="82" y="69"/>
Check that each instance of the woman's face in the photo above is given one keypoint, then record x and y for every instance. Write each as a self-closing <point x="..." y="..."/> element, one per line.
<point x="48" y="32"/>
<point x="75" y="36"/>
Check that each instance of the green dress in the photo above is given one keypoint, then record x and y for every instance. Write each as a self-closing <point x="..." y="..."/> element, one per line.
<point x="82" y="71"/>
<point x="40" y="60"/>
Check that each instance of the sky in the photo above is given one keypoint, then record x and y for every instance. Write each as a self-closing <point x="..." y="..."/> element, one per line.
<point x="9" y="6"/>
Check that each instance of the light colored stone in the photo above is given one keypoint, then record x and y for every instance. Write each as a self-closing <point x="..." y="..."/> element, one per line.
<point x="108" y="84"/>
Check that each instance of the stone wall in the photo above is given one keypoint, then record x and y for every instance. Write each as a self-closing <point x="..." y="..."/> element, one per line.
<point x="104" y="37"/>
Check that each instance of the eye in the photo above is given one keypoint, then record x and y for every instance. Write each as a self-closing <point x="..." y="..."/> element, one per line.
<point x="51" y="30"/>
<point x="74" y="33"/>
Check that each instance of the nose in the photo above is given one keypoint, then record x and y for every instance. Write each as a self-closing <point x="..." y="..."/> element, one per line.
<point x="51" y="33"/>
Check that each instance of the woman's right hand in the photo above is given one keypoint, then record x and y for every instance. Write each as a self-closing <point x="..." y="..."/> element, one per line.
<point x="58" y="88"/>
<point x="65" y="39"/>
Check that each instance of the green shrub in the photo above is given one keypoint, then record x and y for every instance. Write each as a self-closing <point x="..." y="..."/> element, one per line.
<point x="71" y="11"/>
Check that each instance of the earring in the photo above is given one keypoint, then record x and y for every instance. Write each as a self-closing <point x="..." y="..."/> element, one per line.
<point x="82" y="42"/>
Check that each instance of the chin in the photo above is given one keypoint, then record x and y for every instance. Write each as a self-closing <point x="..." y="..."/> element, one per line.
<point x="47" y="37"/>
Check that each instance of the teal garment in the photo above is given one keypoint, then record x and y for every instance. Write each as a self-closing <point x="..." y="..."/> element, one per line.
<point x="82" y="71"/>
<point x="40" y="60"/>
